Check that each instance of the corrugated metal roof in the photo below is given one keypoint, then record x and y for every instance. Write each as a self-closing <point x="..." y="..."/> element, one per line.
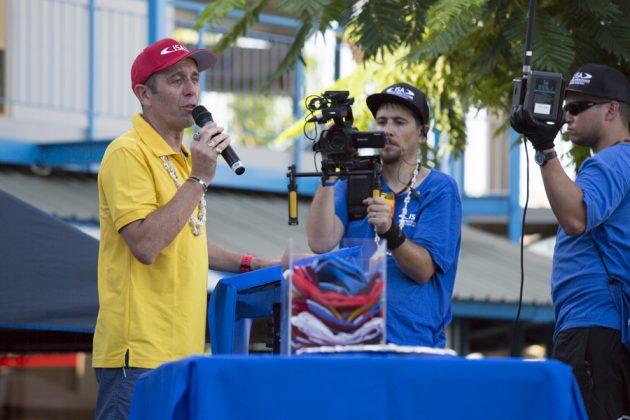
<point x="489" y="270"/>
<point x="246" y="221"/>
<point x="66" y="195"/>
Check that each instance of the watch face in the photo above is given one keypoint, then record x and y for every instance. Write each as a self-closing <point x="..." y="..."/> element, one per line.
<point x="541" y="158"/>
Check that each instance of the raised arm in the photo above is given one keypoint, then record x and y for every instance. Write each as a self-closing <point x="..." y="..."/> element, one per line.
<point x="565" y="197"/>
<point x="323" y="228"/>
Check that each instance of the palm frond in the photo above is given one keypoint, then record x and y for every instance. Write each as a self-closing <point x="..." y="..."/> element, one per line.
<point x="415" y="14"/>
<point x="443" y="12"/>
<point x="334" y="11"/>
<point x="303" y="7"/>
<point x="295" y="51"/>
<point x="217" y="11"/>
<point x="614" y="39"/>
<point x="378" y="27"/>
<point x="437" y="43"/>
<point x="448" y="23"/>
<point x="601" y="9"/>
<point x="250" y="17"/>
<point x="553" y="46"/>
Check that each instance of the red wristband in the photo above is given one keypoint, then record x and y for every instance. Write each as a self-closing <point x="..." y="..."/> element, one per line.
<point x="246" y="263"/>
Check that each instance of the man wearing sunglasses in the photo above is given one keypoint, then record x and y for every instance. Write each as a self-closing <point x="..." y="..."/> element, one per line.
<point x="593" y="241"/>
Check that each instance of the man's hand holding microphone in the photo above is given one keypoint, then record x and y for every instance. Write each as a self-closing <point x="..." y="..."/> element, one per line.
<point x="218" y="140"/>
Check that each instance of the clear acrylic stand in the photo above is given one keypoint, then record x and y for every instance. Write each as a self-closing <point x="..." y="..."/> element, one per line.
<point x="335" y="299"/>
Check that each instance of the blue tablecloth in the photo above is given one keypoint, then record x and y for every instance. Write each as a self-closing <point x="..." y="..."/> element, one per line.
<point x="357" y="387"/>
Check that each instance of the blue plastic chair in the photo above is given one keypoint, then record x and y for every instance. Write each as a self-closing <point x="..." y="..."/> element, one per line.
<point x="235" y="301"/>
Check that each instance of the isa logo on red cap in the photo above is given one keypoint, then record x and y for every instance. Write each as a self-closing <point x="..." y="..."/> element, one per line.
<point x="163" y="54"/>
<point x="173" y="48"/>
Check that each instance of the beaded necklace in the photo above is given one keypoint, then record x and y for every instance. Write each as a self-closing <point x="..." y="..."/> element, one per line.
<point x="403" y="213"/>
<point x="196" y="223"/>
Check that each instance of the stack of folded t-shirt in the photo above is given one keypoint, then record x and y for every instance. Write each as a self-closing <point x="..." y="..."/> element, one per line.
<point x="334" y="303"/>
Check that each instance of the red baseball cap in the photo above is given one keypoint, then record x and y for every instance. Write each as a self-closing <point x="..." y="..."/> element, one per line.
<point x="163" y="54"/>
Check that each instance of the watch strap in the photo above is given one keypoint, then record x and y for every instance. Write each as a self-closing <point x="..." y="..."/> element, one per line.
<point x="547" y="157"/>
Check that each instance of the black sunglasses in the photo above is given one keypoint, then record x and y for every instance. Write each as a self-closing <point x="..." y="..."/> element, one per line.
<point x="575" y="108"/>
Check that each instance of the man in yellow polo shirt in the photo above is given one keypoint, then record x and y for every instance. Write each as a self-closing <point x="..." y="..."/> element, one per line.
<point x="154" y="254"/>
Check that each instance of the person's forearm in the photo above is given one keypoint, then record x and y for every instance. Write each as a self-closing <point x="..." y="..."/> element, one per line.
<point x="415" y="261"/>
<point x="565" y="198"/>
<point x="222" y="259"/>
<point x="147" y="238"/>
<point x="323" y="228"/>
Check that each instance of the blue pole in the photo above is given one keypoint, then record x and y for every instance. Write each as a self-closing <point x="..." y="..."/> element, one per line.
<point x="157" y="20"/>
<point x="514" y="208"/>
<point x="202" y="80"/>
<point x="337" y="56"/>
<point x="297" y="110"/>
<point x="91" y="69"/>
<point x="457" y="172"/>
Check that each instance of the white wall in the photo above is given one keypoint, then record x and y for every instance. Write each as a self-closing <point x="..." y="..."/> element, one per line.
<point x="47" y="47"/>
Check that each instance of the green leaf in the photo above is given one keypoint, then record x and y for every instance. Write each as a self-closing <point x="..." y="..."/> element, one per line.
<point x="448" y="23"/>
<point x="302" y="7"/>
<point x="335" y="11"/>
<point x="553" y="46"/>
<point x="250" y="17"/>
<point x="615" y="39"/>
<point x="217" y="11"/>
<point x="294" y="52"/>
<point x="600" y="9"/>
<point x="379" y="27"/>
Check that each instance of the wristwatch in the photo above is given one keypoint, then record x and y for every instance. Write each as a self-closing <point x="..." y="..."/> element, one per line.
<point x="541" y="157"/>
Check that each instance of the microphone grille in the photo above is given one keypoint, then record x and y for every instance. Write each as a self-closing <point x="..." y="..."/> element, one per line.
<point x="201" y="115"/>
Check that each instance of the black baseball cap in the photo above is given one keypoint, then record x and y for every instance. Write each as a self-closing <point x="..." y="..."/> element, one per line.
<point x="600" y="81"/>
<point x="404" y="94"/>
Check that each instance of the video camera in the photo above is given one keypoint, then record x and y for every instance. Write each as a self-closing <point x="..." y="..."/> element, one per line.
<point x="537" y="97"/>
<point x="340" y="143"/>
<point x="540" y="94"/>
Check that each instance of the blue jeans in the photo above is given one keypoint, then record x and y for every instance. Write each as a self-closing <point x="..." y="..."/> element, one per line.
<point x="115" y="389"/>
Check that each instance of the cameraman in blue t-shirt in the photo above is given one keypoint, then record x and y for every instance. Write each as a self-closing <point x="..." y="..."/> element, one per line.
<point x="593" y="242"/>
<point x="418" y="212"/>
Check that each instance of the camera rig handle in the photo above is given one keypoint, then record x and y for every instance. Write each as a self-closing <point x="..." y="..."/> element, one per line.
<point x="374" y="172"/>
<point x="292" y="187"/>
<point x="376" y="179"/>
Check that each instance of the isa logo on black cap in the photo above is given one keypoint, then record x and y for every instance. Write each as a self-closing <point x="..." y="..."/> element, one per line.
<point x="402" y="92"/>
<point x="600" y="81"/>
<point x="581" y="78"/>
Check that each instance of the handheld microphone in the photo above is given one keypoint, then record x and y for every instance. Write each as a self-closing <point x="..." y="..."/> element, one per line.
<point x="202" y="117"/>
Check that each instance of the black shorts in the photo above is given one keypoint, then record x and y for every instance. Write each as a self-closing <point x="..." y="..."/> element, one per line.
<point x="601" y="365"/>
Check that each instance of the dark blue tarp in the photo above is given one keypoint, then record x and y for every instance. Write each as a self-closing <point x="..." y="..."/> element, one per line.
<point x="48" y="279"/>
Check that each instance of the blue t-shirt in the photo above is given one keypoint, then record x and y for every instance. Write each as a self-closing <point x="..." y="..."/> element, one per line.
<point x="578" y="282"/>
<point x="417" y="313"/>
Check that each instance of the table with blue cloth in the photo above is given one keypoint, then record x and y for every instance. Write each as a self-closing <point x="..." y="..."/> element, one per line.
<point x="357" y="386"/>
